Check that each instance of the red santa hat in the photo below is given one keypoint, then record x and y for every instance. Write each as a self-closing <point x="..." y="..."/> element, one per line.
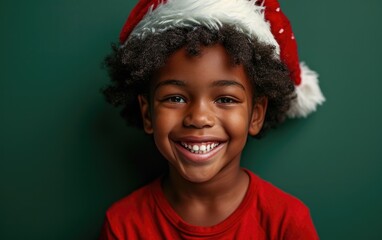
<point x="262" y="19"/>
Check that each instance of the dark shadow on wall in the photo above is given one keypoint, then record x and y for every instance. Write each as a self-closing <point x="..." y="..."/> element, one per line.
<point x="111" y="161"/>
<point x="132" y="149"/>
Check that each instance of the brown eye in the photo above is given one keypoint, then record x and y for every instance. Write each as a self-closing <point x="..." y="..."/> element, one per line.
<point x="225" y="100"/>
<point x="176" y="99"/>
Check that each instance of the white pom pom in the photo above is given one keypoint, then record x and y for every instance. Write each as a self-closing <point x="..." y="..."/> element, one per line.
<point x="309" y="94"/>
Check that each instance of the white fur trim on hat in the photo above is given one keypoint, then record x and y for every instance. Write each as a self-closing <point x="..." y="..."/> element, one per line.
<point x="244" y="15"/>
<point x="309" y="95"/>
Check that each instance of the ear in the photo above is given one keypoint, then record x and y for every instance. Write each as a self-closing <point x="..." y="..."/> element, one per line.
<point x="258" y="116"/>
<point x="146" y="116"/>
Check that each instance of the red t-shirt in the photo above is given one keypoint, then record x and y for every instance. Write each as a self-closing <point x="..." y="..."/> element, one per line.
<point x="265" y="213"/>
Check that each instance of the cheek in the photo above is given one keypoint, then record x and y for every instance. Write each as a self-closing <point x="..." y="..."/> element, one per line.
<point x="164" y="117"/>
<point x="237" y="124"/>
<point x="164" y="123"/>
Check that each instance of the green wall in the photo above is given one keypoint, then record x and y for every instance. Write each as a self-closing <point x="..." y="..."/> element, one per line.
<point x="65" y="155"/>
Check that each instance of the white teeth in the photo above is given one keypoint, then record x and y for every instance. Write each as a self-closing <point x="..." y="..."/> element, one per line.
<point x="199" y="148"/>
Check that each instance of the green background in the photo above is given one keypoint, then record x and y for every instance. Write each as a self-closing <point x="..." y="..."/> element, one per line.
<point x="65" y="155"/>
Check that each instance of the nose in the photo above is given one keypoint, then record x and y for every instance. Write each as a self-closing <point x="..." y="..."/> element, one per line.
<point x="199" y="115"/>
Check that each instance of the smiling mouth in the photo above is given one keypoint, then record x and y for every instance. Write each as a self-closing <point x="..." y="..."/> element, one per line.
<point x="201" y="148"/>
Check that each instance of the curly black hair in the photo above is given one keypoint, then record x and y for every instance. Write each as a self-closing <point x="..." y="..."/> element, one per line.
<point x="132" y="66"/>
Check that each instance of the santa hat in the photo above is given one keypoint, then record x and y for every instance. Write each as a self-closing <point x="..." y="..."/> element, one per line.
<point x="262" y="19"/>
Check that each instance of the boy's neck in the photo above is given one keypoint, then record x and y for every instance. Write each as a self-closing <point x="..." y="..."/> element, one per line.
<point x="228" y="180"/>
<point x="210" y="202"/>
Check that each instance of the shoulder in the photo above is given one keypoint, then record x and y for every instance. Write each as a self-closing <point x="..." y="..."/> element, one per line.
<point x="281" y="213"/>
<point x="274" y="200"/>
<point x="138" y="202"/>
<point x="126" y="213"/>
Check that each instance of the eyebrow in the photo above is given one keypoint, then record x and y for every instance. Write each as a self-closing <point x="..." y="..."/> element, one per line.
<point x="170" y="82"/>
<point x="218" y="83"/>
<point x="224" y="83"/>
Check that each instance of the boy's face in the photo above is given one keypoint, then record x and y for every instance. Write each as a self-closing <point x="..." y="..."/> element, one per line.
<point x="201" y="112"/>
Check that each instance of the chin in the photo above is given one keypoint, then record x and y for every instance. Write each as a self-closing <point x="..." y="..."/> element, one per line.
<point x="198" y="175"/>
<point x="197" y="179"/>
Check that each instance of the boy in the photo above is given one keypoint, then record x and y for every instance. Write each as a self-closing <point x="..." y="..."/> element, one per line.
<point x="199" y="76"/>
